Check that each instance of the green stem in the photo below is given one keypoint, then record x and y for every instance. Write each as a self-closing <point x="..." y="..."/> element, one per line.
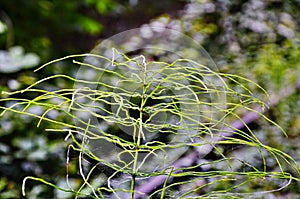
<point x="138" y="141"/>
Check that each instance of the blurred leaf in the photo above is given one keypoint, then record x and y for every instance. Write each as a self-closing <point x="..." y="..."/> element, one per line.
<point x="104" y="6"/>
<point x="15" y="60"/>
<point x="7" y="189"/>
<point x="91" y="26"/>
<point x="3" y="27"/>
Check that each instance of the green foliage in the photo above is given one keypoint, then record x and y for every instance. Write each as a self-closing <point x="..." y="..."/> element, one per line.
<point x="104" y="6"/>
<point x="8" y="189"/>
<point x="90" y="26"/>
<point x="269" y="56"/>
<point x="54" y="22"/>
<point x="140" y="116"/>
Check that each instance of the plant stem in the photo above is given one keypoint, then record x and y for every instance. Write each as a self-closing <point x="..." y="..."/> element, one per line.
<point x="138" y="141"/>
<point x="132" y="186"/>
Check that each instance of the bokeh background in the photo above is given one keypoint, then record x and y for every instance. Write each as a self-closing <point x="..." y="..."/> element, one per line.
<point x="257" y="39"/>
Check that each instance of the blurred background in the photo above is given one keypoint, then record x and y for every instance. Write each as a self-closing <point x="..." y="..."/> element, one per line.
<point x="257" y="39"/>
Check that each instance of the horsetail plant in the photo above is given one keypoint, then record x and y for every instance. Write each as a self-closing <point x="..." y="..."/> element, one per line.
<point x="137" y="119"/>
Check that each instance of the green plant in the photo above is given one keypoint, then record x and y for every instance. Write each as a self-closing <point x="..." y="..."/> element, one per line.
<point x="137" y="117"/>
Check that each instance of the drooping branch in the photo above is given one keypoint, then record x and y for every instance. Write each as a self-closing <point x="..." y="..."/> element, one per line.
<point x="190" y="158"/>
